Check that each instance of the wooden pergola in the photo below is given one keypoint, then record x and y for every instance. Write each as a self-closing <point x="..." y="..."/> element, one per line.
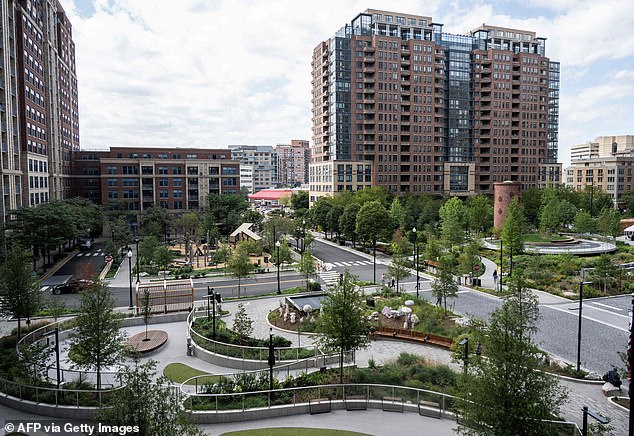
<point x="167" y="295"/>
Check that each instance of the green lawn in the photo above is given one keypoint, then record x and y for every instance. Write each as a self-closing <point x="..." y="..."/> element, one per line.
<point x="540" y="237"/>
<point x="179" y="372"/>
<point x="293" y="431"/>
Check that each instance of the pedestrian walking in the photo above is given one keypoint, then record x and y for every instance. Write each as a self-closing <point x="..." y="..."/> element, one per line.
<point x="495" y="276"/>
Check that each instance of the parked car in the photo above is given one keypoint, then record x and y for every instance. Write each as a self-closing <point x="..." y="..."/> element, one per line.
<point x="86" y="245"/>
<point x="72" y="286"/>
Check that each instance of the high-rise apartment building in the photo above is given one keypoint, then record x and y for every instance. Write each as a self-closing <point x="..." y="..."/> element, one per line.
<point x="263" y="160"/>
<point x="292" y="163"/>
<point x="39" y="111"/>
<point x="401" y="104"/>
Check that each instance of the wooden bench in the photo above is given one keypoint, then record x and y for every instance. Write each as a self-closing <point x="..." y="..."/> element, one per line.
<point x="319" y="405"/>
<point x="356" y="402"/>
<point x="392" y="404"/>
<point x="429" y="408"/>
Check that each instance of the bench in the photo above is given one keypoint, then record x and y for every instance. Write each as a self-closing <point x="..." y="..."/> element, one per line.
<point x="319" y="405"/>
<point x="429" y="408"/>
<point x="356" y="402"/>
<point x="392" y="404"/>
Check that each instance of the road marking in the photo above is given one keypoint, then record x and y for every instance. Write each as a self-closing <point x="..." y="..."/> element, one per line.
<point x="79" y="254"/>
<point x="95" y="254"/>
<point x="589" y="318"/>
<point x="606" y="311"/>
<point x="605" y="305"/>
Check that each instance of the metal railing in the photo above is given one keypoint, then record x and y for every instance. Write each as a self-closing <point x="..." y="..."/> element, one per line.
<point x="247" y="352"/>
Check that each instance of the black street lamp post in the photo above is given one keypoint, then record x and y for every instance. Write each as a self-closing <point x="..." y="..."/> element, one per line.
<point x="136" y="241"/>
<point x="303" y="235"/>
<point x="211" y="294"/>
<point x="416" y="254"/>
<point x="277" y="246"/>
<point x="501" y="270"/>
<point x="131" y="306"/>
<point x="56" y="347"/>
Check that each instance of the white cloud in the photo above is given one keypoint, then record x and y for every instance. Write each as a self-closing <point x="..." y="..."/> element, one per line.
<point x="203" y="73"/>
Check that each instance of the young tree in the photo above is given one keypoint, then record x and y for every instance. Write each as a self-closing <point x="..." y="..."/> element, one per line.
<point x="398" y="268"/>
<point x="284" y="253"/>
<point x="151" y="405"/>
<point x="397" y="214"/>
<point x="452" y="221"/>
<point x="332" y="218"/>
<point x="96" y="340"/>
<point x="300" y="202"/>
<point x="604" y="273"/>
<point x="147" y="248"/>
<point x="469" y="258"/>
<point x="444" y="286"/>
<point x="609" y="221"/>
<point x="549" y="218"/>
<point x="146" y="309"/>
<point x="163" y="257"/>
<point x="319" y="212"/>
<point x="513" y="227"/>
<point x="342" y="324"/>
<point x="584" y="223"/>
<point x="242" y="324"/>
<point x="239" y="264"/>
<point x="20" y="294"/>
<point x="307" y="266"/>
<point x="505" y="390"/>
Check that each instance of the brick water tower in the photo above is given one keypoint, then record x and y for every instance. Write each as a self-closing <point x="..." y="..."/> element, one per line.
<point x="504" y="193"/>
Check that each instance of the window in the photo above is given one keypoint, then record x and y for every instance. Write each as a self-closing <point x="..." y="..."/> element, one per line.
<point x="177" y="170"/>
<point x="178" y="193"/>
<point x="163" y="182"/>
<point x="112" y="170"/>
<point x="178" y="181"/>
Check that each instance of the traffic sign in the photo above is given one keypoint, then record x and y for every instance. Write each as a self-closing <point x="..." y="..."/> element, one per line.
<point x="108" y="258"/>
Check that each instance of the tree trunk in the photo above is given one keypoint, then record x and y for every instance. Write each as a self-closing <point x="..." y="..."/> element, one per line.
<point x="19" y="327"/>
<point x="341" y="366"/>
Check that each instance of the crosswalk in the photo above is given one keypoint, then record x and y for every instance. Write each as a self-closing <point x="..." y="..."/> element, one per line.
<point x="329" y="277"/>
<point x="353" y="263"/>
<point x="91" y="253"/>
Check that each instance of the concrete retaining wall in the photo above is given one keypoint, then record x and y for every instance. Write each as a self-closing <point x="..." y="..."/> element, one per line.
<point x="51" y="410"/>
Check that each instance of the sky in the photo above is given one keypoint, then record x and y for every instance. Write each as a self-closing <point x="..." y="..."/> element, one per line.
<point x="209" y="73"/>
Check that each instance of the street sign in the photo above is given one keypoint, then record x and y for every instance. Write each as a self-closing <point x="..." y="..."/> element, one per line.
<point x="108" y="258"/>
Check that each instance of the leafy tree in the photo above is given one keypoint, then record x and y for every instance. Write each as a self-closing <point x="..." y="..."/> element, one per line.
<point x="225" y="211"/>
<point x="505" y="390"/>
<point x="372" y="221"/>
<point x="96" y="341"/>
<point x="604" y="273"/>
<point x="397" y="214"/>
<point x="609" y="222"/>
<point x="307" y="266"/>
<point x="20" y="294"/>
<point x="433" y="250"/>
<point x="300" y="202"/>
<point x="513" y="228"/>
<point x="146" y="309"/>
<point x="549" y="218"/>
<point x="398" y="268"/>
<point x="332" y="217"/>
<point x="163" y="257"/>
<point x="348" y="222"/>
<point x="319" y="212"/>
<point x="452" y="221"/>
<point x="584" y="223"/>
<point x="480" y="213"/>
<point x="147" y="248"/>
<point x="567" y="212"/>
<point x="342" y="324"/>
<point x="532" y="203"/>
<point x="156" y="221"/>
<point x="282" y="226"/>
<point x="469" y="257"/>
<point x="284" y="253"/>
<point x="373" y="193"/>
<point x="242" y="324"/>
<point x="594" y="200"/>
<point x="55" y="306"/>
<point x="254" y="217"/>
<point x="153" y="406"/>
<point x="308" y="241"/>
<point x="444" y="286"/>
<point x="239" y="264"/>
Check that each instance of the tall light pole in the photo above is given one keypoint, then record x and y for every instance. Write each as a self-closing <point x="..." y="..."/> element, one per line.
<point x="465" y="342"/>
<point x="130" y="268"/>
<point x="501" y="270"/>
<point x="303" y="235"/>
<point x="416" y="254"/>
<point x="136" y="241"/>
<point x="277" y="246"/>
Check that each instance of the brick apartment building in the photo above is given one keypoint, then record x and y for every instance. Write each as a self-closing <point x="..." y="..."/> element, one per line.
<point x="398" y="103"/>
<point x="136" y="178"/>
<point x="292" y="163"/>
